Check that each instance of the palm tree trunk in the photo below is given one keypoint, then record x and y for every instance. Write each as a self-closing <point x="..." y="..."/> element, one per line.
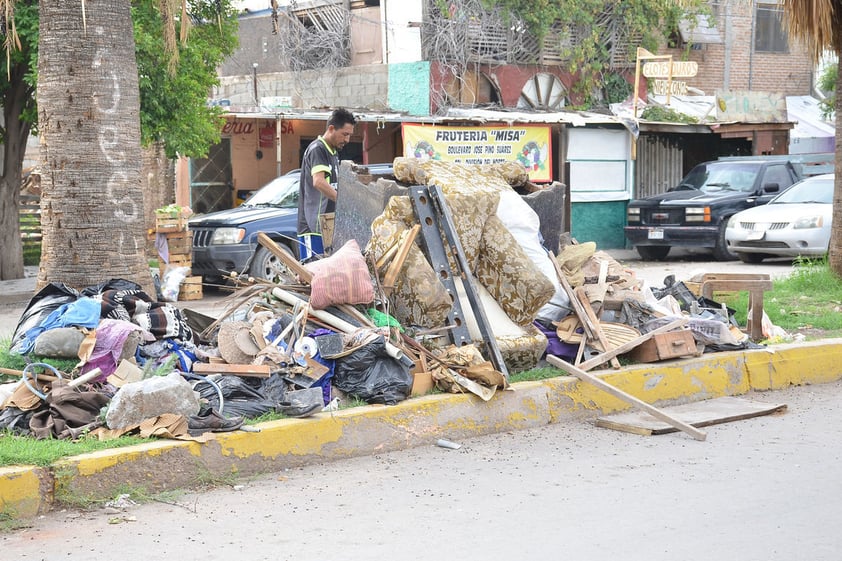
<point x="835" y="246"/>
<point x="88" y="115"/>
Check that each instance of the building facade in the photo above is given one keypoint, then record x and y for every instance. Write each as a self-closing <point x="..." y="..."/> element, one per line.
<point x="398" y="61"/>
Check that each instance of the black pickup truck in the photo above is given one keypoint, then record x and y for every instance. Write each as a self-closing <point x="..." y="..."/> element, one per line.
<point x="695" y="212"/>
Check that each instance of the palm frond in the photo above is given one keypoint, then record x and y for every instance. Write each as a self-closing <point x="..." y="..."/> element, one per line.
<point x="816" y="23"/>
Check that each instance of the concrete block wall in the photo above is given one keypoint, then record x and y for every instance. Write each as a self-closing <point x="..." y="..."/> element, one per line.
<point x="787" y="73"/>
<point x="357" y="86"/>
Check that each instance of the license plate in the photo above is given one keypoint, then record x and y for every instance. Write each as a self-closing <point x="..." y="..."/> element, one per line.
<point x="656" y="234"/>
<point x="755" y="236"/>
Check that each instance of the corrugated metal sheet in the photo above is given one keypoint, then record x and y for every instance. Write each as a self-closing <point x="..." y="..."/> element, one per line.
<point x="659" y="165"/>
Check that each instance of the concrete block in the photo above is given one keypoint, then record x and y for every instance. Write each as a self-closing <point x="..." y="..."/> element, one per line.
<point x="549" y="205"/>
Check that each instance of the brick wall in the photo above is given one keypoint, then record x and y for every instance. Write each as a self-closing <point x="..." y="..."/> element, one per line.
<point x="788" y="73"/>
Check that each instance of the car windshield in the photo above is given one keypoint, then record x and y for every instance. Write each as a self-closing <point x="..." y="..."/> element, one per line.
<point x="711" y="178"/>
<point x="814" y="190"/>
<point x="281" y="192"/>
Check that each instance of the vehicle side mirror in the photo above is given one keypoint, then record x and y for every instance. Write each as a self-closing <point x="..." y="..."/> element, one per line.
<point x="771" y="188"/>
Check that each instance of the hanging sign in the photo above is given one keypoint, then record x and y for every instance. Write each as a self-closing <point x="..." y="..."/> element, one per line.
<point x="527" y="144"/>
<point x="267" y="136"/>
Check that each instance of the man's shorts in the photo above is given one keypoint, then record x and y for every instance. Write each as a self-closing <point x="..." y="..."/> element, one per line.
<point x="309" y="246"/>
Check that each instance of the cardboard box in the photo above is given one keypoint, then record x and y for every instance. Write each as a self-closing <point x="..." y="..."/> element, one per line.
<point x="663" y="346"/>
<point x="326" y="224"/>
<point x="422" y="380"/>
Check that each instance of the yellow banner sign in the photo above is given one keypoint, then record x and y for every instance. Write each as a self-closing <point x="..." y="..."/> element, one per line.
<point x="527" y="144"/>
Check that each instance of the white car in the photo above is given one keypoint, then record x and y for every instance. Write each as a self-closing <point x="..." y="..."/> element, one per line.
<point x="795" y="223"/>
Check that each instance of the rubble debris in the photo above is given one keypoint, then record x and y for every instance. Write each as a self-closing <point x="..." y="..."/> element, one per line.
<point x="456" y="306"/>
<point x="151" y="397"/>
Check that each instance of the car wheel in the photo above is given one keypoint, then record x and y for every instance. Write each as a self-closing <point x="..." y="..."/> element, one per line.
<point x="751" y="257"/>
<point x="266" y="265"/>
<point x="653" y="252"/>
<point x="721" y="251"/>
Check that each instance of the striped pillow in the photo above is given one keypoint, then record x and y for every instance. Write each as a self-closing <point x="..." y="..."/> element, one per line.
<point x="342" y="278"/>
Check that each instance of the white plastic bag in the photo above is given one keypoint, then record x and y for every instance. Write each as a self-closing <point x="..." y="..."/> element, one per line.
<point x="173" y="277"/>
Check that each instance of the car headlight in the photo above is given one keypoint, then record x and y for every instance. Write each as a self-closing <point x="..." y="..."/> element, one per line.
<point x="732" y="222"/>
<point x="805" y="222"/>
<point x="223" y="236"/>
<point x="697" y="214"/>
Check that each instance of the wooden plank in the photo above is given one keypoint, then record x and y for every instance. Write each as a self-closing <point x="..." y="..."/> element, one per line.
<point x="291" y="262"/>
<point x="387" y="256"/>
<point x="397" y="263"/>
<point x="582" y="295"/>
<point x="626" y="347"/>
<point x="577" y="306"/>
<point x="628" y="398"/>
<point x="699" y="414"/>
<point x="252" y="370"/>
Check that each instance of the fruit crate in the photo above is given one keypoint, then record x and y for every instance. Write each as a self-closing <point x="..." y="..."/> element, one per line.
<point x="190" y="289"/>
<point x="170" y="222"/>
<point x="179" y="243"/>
<point x="176" y="261"/>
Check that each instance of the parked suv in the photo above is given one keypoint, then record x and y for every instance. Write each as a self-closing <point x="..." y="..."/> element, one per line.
<point x="695" y="213"/>
<point x="227" y="240"/>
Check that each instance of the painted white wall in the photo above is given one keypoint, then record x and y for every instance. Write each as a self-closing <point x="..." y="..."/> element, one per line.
<point x="401" y="43"/>
<point x="255" y="5"/>
<point x="601" y="168"/>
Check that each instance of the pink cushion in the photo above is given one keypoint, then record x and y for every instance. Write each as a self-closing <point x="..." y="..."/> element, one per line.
<point x="342" y="278"/>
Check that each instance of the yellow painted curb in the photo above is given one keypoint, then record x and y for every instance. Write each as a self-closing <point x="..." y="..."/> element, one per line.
<point x="22" y="494"/>
<point x="163" y="465"/>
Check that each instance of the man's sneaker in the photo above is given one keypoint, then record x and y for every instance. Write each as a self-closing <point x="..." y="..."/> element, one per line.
<point x="210" y="420"/>
<point x="302" y="403"/>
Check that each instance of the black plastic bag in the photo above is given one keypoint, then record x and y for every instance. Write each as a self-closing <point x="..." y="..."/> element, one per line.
<point x="240" y="397"/>
<point x="51" y="297"/>
<point x="370" y="374"/>
<point x="55" y="295"/>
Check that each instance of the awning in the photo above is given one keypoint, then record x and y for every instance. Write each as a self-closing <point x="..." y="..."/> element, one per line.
<point x="574" y="118"/>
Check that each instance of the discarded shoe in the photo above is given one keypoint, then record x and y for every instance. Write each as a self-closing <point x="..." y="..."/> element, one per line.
<point x="210" y="420"/>
<point x="302" y="403"/>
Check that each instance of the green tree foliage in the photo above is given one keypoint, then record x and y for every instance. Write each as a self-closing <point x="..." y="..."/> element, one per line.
<point x="18" y="70"/>
<point x="643" y="22"/>
<point x="174" y="104"/>
<point x="827" y="84"/>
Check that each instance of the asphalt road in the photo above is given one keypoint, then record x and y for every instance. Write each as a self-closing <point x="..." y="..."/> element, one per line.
<point x="759" y="489"/>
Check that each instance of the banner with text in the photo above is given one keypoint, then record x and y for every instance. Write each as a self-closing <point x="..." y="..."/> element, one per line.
<point x="528" y="144"/>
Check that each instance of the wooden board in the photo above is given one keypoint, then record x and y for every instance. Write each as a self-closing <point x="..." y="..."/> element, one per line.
<point x="699" y="414"/>
<point x="254" y="370"/>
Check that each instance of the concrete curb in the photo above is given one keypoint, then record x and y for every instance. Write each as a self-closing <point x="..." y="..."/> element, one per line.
<point x="157" y="466"/>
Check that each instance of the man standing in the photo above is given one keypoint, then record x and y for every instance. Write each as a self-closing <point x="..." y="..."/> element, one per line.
<point x="319" y="177"/>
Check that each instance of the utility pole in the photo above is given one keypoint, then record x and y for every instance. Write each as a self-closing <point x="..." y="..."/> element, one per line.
<point x="254" y="82"/>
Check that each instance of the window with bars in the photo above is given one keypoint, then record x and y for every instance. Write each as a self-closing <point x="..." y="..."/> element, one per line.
<point x="769" y="34"/>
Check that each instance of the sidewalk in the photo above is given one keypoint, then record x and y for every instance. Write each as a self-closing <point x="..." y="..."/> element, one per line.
<point x="19" y="291"/>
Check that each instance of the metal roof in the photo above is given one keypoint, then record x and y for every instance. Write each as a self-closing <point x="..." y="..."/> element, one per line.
<point x="481" y="116"/>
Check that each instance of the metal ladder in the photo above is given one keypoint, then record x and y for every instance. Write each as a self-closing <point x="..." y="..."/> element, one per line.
<point x="435" y="218"/>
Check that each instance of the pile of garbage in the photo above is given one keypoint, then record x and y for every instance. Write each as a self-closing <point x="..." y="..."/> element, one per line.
<point x="449" y="285"/>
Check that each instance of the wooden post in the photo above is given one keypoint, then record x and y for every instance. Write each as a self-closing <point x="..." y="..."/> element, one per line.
<point x="628" y="398"/>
